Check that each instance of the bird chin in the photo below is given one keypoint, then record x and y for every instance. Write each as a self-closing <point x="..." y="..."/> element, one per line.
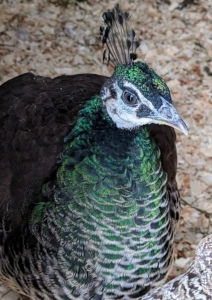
<point x="128" y="124"/>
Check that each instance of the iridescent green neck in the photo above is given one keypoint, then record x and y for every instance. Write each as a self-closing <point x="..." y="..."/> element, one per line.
<point x="95" y="145"/>
<point x="111" y="194"/>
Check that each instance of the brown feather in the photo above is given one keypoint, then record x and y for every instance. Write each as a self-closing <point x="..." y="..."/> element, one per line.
<point x="36" y="113"/>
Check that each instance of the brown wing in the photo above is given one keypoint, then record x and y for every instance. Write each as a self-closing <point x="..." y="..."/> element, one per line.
<point x="165" y="138"/>
<point x="36" y="113"/>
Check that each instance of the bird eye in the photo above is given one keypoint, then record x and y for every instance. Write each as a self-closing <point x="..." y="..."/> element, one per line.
<point x="129" y="99"/>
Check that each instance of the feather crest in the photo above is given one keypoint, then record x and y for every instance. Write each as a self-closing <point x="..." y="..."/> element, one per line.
<point x="120" y="43"/>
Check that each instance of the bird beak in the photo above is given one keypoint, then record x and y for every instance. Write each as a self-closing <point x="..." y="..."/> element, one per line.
<point x="168" y="115"/>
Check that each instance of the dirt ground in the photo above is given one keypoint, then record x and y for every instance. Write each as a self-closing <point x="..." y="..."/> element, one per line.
<point x="50" y="39"/>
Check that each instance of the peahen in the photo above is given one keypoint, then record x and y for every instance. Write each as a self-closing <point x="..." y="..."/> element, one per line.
<point x="89" y="200"/>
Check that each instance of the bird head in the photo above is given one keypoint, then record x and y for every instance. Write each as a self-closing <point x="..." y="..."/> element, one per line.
<point x="134" y="95"/>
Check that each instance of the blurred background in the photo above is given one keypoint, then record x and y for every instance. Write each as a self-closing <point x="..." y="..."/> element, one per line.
<point x="55" y="37"/>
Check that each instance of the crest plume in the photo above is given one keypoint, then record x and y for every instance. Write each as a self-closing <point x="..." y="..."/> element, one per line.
<point x="120" y="41"/>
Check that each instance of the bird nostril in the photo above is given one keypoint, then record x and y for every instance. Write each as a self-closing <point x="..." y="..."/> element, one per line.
<point x="165" y="111"/>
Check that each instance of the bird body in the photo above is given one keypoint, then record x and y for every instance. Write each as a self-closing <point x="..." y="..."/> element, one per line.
<point x="91" y="201"/>
<point x="106" y="212"/>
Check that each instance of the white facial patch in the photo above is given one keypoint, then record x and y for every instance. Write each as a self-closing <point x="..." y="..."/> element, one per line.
<point x="123" y="115"/>
<point x="105" y="94"/>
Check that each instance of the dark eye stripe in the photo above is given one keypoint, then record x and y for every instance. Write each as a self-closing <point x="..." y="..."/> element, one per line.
<point x="143" y="111"/>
